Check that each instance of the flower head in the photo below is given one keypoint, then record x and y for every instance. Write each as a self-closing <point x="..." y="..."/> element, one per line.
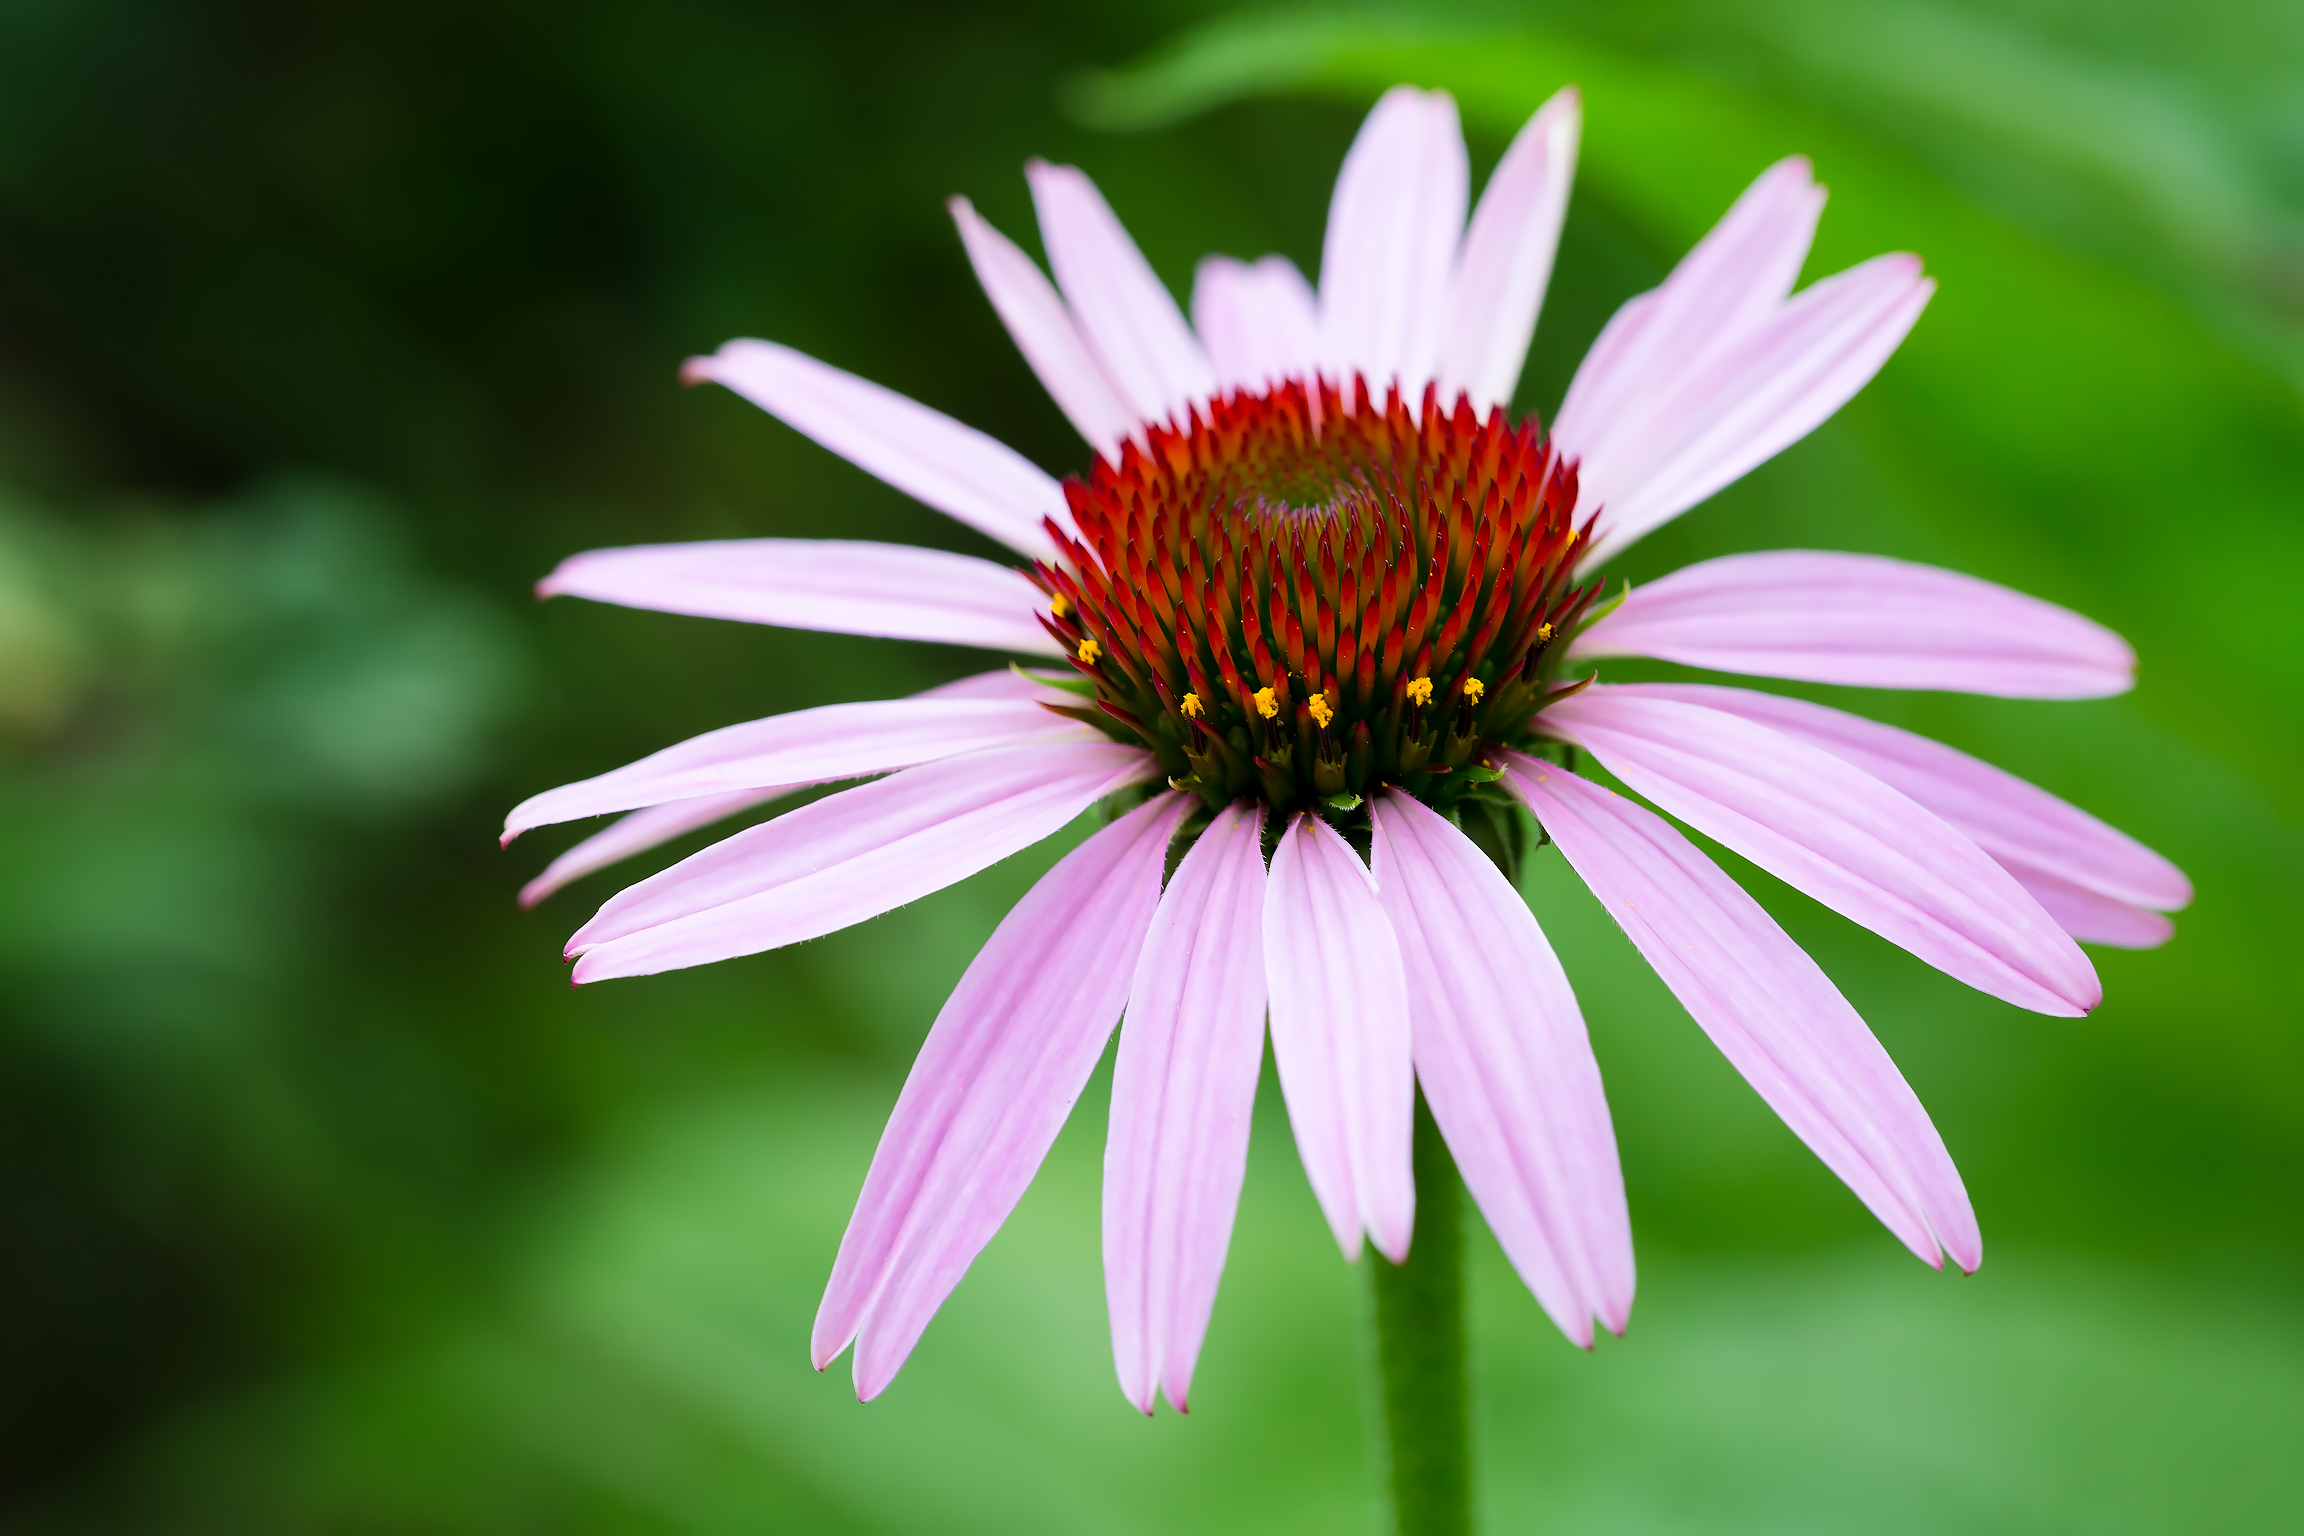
<point x="1300" y="564"/>
<point x="1318" y="583"/>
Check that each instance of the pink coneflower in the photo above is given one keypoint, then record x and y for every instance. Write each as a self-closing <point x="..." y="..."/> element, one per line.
<point x="1321" y="607"/>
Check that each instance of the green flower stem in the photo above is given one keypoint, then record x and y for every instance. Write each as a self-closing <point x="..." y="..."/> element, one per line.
<point x="1420" y="1344"/>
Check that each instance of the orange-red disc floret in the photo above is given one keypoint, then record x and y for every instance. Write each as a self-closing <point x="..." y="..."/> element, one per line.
<point x="1406" y="566"/>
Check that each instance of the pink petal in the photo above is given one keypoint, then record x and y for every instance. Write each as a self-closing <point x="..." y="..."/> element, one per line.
<point x="637" y="833"/>
<point x="1713" y="422"/>
<point x="850" y="856"/>
<point x="807" y="746"/>
<point x="848" y="587"/>
<point x="1832" y="830"/>
<point x="1507" y="1068"/>
<point x="1001" y="683"/>
<point x="1507" y="257"/>
<point x="1695" y="383"/>
<point x="1132" y="324"/>
<point x="2028" y="830"/>
<point x="658" y="824"/>
<point x="925" y="454"/>
<point x="1866" y="621"/>
<point x="1183" y="1088"/>
<point x="1340" y="1036"/>
<point x="1260" y="324"/>
<point x="994" y="1083"/>
<point x="1733" y="280"/>
<point x="1766" y="1005"/>
<point x="1042" y="328"/>
<point x="1387" y="259"/>
<point x="2092" y="917"/>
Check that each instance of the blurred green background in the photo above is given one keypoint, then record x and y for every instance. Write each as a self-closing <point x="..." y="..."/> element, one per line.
<point x="328" y="1206"/>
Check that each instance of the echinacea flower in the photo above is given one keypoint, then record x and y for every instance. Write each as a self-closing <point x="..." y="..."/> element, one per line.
<point x="1315" y="605"/>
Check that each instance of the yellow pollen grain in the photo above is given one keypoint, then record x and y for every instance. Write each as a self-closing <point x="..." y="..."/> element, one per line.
<point x="1322" y="710"/>
<point x="1190" y="705"/>
<point x="1420" y="691"/>
<point x="1473" y="688"/>
<point x="1543" y="631"/>
<point x="1058" y="606"/>
<point x="1089" y="651"/>
<point x="1572" y="535"/>
<point x="1266" y="704"/>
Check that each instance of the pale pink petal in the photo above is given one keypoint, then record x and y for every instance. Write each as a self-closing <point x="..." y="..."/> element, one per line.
<point x="655" y="825"/>
<point x="1506" y="1065"/>
<point x="1003" y="683"/>
<point x="644" y="829"/>
<point x="993" y="1084"/>
<point x="850" y="856"/>
<point x="1611" y="367"/>
<point x="848" y="587"/>
<point x="1389" y="253"/>
<point x="1775" y="1016"/>
<point x="1713" y="422"/>
<point x="1830" y="829"/>
<point x="1340" y="1036"/>
<point x="925" y="454"/>
<point x="1183" y="1088"/>
<point x="1042" y="328"/>
<point x="1260" y="324"/>
<point x="807" y="746"/>
<point x="2028" y="830"/>
<point x="1131" y="321"/>
<point x="1866" y="621"/>
<point x="1695" y="383"/>
<point x="1506" y="261"/>
<point x="1731" y="282"/>
<point x="2092" y="917"/>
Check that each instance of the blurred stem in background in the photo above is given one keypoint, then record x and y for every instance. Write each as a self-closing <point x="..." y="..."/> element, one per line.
<point x="1420" y="1344"/>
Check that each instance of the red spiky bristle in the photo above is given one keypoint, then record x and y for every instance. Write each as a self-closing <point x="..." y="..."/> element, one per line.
<point x="1285" y="547"/>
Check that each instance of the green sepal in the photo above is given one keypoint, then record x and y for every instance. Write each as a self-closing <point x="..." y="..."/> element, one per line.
<point x="1601" y="610"/>
<point x="1068" y="682"/>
